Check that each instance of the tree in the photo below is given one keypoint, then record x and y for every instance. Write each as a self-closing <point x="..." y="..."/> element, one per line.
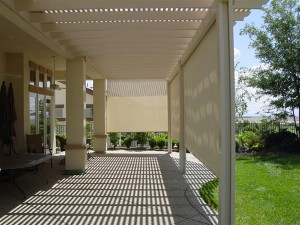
<point x="114" y="138"/>
<point x="152" y="139"/>
<point x="242" y="94"/>
<point x="277" y="45"/>
<point x="127" y="141"/>
<point x="141" y="138"/>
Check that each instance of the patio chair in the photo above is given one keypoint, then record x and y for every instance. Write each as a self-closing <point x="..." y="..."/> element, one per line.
<point x="35" y="145"/>
<point x="62" y="142"/>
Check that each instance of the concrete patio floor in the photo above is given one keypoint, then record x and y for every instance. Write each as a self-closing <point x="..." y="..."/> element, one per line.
<point x="119" y="187"/>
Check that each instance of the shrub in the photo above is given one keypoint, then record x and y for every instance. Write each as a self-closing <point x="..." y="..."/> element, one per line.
<point x="127" y="141"/>
<point x="250" y="140"/>
<point x="161" y="141"/>
<point x="152" y="140"/>
<point x="175" y="142"/>
<point x="282" y="140"/>
<point x="237" y="145"/>
<point x="114" y="138"/>
<point x="141" y="138"/>
<point x="89" y="130"/>
<point x="152" y="143"/>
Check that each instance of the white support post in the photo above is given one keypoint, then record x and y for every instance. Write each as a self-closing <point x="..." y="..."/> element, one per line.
<point x="76" y="152"/>
<point x="169" y="117"/>
<point x="226" y="71"/>
<point x="53" y="125"/>
<point x="182" y="149"/>
<point x="100" y="137"/>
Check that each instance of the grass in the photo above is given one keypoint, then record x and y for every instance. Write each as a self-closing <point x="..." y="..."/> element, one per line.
<point x="268" y="190"/>
<point x="209" y="192"/>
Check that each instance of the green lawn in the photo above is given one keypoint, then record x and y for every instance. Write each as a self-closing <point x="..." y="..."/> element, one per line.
<point x="268" y="190"/>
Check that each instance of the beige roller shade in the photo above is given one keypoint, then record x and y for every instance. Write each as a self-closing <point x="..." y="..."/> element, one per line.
<point x="202" y="102"/>
<point x="136" y="105"/>
<point x="175" y="120"/>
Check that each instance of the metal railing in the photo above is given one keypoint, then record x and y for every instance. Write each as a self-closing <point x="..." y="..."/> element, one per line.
<point x="263" y="127"/>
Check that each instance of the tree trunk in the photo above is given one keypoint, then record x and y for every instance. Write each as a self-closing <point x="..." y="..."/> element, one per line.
<point x="298" y="128"/>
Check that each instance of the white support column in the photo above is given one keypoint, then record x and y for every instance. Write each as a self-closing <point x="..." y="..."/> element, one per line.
<point x="182" y="149"/>
<point x="99" y="106"/>
<point x="76" y="153"/>
<point x="226" y="71"/>
<point x="169" y="117"/>
<point x="52" y="124"/>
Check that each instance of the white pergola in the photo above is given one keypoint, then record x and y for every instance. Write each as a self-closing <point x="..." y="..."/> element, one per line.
<point x="185" y="48"/>
<point x="145" y="39"/>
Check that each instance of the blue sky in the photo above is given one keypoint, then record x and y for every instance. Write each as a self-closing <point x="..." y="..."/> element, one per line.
<point x="241" y="42"/>
<point x="245" y="55"/>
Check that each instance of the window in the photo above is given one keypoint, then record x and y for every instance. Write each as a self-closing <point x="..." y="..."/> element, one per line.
<point x="41" y="80"/>
<point x="40" y="102"/>
<point x="89" y="112"/>
<point x="49" y="81"/>
<point x="59" y="113"/>
<point x="32" y="77"/>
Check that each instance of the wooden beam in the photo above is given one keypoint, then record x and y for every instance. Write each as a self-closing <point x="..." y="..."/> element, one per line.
<point x="115" y="16"/>
<point x="53" y="27"/>
<point x="124" y="34"/>
<point x="39" y="90"/>
<point x="32" y="5"/>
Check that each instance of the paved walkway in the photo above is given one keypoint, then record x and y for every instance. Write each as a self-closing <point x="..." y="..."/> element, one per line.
<point x="119" y="187"/>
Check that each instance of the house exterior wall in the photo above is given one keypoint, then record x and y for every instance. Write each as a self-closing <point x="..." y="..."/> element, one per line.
<point x="2" y="63"/>
<point x="60" y="103"/>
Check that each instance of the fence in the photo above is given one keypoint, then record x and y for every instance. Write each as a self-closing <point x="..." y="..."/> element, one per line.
<point x="263" y="127"/>
<point x="61" y="130"/>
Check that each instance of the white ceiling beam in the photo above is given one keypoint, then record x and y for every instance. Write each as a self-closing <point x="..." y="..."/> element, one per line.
<point x="51" y="27"/>
<point x="132" y="51"/>
<point x="153" y="74"/>
<point x="138" y="70"/>
<point x="33" y="5"/>
<point x="130" y="55"/>
<point x="143" y="65"/>
<point x="115" y="16"/>
<point x="141" y="75"/>
<point x="160" y="61"/>
<point x="116" y="47"/>
<point x="118" y="40"/>
<point x="124" y="33"/>
<point x="134" y="58"/>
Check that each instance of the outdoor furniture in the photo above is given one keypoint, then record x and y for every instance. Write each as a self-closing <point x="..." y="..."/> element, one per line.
<point x="35" y="145"/>
<point x="14" y="165"/>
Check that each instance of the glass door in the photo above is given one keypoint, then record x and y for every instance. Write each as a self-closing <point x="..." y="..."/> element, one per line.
<point x="33" y="116"/>
<point x="48" y="122"/>
<point x="40" y="117"/>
